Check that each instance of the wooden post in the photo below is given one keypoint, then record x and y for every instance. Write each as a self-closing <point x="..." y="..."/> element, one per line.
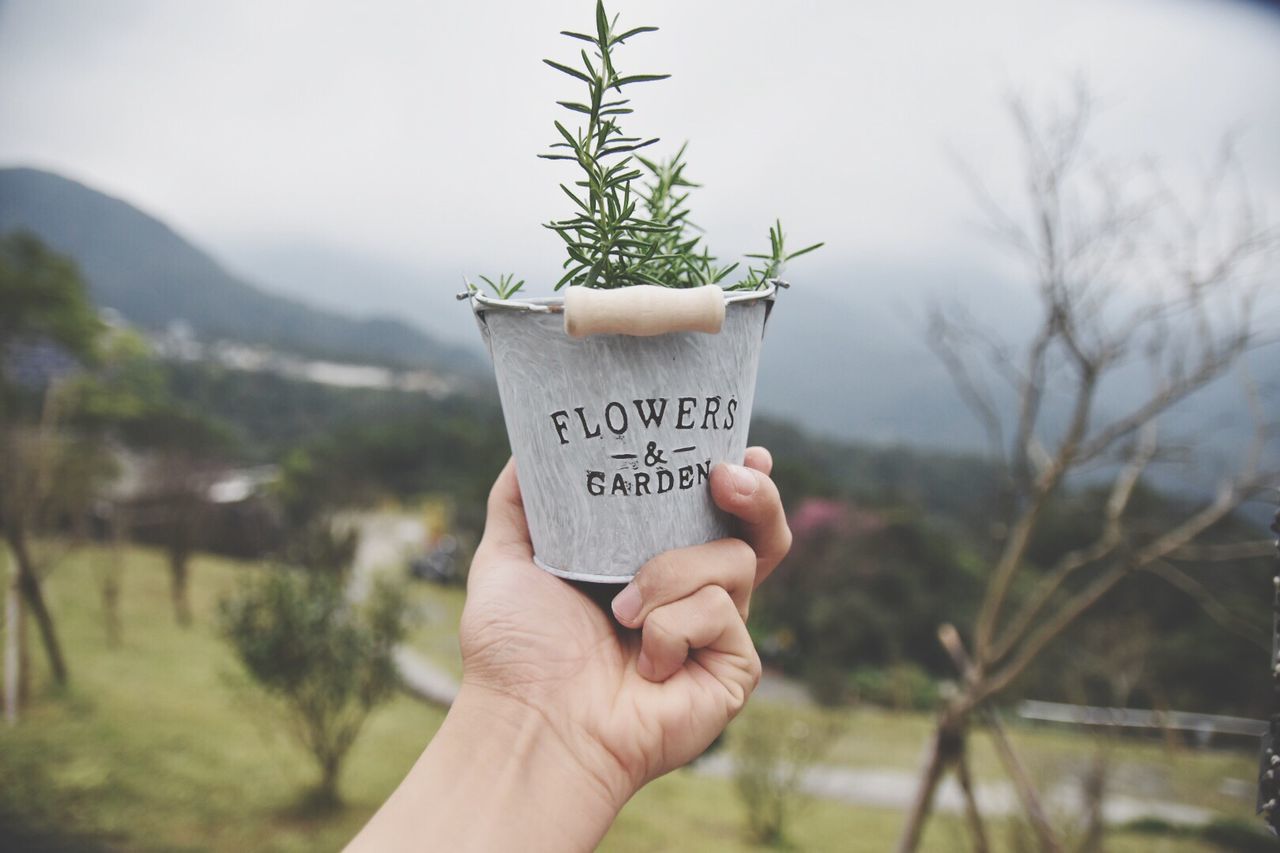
<point x="1269" y="763"/>
<point x="13" y="640"/>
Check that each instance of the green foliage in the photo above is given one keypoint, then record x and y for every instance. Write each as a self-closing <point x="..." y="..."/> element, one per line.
<point x="1243" y="836"/>
<point x="610" y="241"/>
<point x="150" y="750"/>
<point x="150" y="274"/>
<point x="758" y="276"/>
<point x="44" y="298"/>
<point x="327" y="661"/>
<point x="901" y="686"/>
<point x="863" y="591"/>
<point x="773" y="748"/>
<point x="323" y="547"/>
<point x="678" y="259"/>
<point x="128" y="397"/>
<point x="455" y="449"/>
<point x="1181" y="653"/>
<point x="36" y="814"/>
<point x="270" y="415"/>
<point x="506" y="285"/>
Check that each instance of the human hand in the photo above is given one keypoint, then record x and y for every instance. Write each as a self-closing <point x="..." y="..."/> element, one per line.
<point x="632" y="699"/>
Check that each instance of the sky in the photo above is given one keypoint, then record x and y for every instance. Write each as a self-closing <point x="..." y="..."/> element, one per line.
<point x="304" y="142"/>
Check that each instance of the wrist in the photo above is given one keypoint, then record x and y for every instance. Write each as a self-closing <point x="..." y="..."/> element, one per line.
<point x="498" y="775"/>
<point x="547" y="747"/>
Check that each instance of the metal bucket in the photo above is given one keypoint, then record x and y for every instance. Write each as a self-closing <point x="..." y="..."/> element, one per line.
<point x="615" y="436"/>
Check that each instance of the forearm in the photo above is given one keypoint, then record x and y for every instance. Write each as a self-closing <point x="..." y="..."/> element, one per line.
<point x="495" y="777"/>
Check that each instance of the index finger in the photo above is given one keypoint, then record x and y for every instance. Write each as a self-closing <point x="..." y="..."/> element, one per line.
<point x="749" y="494"/>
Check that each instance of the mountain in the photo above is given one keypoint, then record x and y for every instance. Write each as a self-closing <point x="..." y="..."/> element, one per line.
<point x="846" y="354"/>
<point x="139" y="266"/>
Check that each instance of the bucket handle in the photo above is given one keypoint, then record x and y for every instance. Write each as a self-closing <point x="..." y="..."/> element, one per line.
<point x="638" y="310"/>
<point x="643" y="310"/>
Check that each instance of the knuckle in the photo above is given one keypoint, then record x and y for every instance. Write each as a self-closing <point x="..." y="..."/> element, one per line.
<point x="785" y="540"/>
<point x="718" y="602"/>
<point x="741" y="556"/>
<point x="656" y="574"/>
<point x="754" y="670"/>
<point x="659" y="627"/>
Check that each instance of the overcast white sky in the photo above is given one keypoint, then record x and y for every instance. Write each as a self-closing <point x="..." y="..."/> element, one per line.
<point x="407" y="130"/>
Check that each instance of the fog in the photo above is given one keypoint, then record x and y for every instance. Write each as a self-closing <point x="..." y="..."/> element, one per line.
<point x="304" y="142"/>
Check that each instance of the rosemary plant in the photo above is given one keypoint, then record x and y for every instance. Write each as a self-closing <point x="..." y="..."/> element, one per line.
<point x="611" y="240"/>
<point x="608" y="242"/>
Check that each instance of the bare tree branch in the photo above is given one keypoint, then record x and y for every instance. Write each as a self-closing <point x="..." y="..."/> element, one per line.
<point x="1215" y="609"/>
<point x="1224" y="553"/>
<point x="1070" y="563"/>
<point x="1229" y="497"/>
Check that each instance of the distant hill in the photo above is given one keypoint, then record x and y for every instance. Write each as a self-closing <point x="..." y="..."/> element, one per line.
<point x="153" y="276"/>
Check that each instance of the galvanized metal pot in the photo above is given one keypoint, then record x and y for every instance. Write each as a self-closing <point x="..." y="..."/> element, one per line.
<point x="615" y="436"/>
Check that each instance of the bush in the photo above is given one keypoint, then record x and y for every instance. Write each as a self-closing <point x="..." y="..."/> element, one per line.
<point x="327" y="661"/>
<point x="902" y="687"/>
<point x="772" y="750"/>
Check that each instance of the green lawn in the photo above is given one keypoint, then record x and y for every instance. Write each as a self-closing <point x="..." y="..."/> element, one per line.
<point x="159" y="744"/>
<point x="435" y="628"/>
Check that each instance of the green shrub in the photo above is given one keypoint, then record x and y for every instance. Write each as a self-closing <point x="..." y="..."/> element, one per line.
<point x="902" y="686"/>
<point x="772" y="750"/>
<point x="327" y="661"/>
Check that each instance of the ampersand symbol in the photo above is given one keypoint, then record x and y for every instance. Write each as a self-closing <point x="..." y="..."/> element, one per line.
<point x="653" y="456"/>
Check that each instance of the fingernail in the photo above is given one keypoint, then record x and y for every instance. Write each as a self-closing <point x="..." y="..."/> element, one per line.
<point x="644" y="666"/>
<point x="743" y="480"/>
<point x="626" y="604"/>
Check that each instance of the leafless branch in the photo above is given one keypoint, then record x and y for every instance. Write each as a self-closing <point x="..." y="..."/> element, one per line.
<point x="942" y="340"/>
<point x="1108" y="540"/>
<point x="1225" y="552"/>
<point x="1229" y="497"/>
<point x="1215" y="609"/>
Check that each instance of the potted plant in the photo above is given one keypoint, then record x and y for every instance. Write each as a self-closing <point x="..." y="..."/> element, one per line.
<point x="621" y="395"/>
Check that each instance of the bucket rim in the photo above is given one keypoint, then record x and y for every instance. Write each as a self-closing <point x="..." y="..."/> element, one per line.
<point x="555" y="304"/>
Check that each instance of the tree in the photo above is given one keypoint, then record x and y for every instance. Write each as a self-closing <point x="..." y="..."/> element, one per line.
<point x="45" y="302"/>
<point x="327" y="661"/>
<point x="861" y="584"/>
<point x="47" y="326"/>
<point x="183" y="449"/>
<point x="1126" y="276"/>
<point x="127" y="401"/>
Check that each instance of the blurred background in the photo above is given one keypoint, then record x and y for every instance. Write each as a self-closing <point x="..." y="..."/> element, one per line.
<point x="1024" y="406"/>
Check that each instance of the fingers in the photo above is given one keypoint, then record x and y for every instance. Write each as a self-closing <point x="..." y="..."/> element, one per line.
<point x="706" y="625"/>
<point x="505" y="527"/>
<point x="760" y="459"/>
<point x="673" y="575"/>
<point x="749" y="494"/>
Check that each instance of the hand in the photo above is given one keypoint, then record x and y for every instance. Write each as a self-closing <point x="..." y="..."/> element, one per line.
<point x="564" y="712"/>
<point x="633" y="702"/>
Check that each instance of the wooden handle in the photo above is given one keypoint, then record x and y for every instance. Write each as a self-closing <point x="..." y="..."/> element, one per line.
<point x="643" y="310"/>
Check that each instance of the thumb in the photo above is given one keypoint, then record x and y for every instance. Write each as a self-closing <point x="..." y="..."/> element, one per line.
<point x="506" y="532"/>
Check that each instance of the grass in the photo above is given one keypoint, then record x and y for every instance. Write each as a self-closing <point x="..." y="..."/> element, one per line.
<point x="160" y="744"/>
<point x="1143" y="768"/>
<point x="435" y="631"/>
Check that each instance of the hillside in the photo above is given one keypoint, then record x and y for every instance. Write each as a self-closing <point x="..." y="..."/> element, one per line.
<point x="139" y="266"/>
